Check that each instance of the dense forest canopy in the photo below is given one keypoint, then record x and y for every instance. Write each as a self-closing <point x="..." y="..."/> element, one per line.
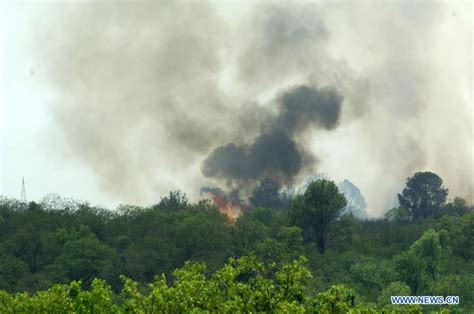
<point x="425" y="248"/>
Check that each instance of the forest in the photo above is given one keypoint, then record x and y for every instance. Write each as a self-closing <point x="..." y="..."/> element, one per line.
<point x="287" y="252"/>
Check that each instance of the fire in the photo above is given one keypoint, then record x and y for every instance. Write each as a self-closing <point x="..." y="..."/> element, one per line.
<point x="225" y="207"/>
<point x="228" y="203"/>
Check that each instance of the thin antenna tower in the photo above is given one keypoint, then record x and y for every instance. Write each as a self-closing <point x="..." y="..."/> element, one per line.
<point x="23" y="190"/>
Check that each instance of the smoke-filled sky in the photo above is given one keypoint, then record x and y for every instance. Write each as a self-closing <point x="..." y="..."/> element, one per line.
<point x="123" y="101"/>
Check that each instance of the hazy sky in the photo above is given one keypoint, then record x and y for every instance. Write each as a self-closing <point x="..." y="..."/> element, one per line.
<point x="72" y="75"/>
<point x="28" y="134"/>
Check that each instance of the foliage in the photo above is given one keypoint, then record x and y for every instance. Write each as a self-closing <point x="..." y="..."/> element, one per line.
<point x="317" y="212"/>
<point x="400" y="215"/>
<point x="176" y="200"/>
<point x="457" y="207"/>
<point x="424" y="195"/>
<point x="242" y="285"/>
<point x="392" y="289"/>
<point x="371" y="275"/>
<point x="428" y="249"/>
<point x="423" y="257"/>
<point x="62" y="255"/>
<point x="464" y="237"/>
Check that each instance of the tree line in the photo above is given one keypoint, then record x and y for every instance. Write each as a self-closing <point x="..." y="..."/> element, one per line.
<point x="423" y="247"/>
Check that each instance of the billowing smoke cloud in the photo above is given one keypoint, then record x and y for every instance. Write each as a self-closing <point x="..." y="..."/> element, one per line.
<point x="304" y="106"/>
<point x="139" y="88"/>
<point x="272" y="154"/>
<point x="149" y="93"/>
<point x="275" y="152"/>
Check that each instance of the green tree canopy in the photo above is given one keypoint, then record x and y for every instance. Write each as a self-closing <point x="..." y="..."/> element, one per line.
<point x="424" y="195"/>
<point x="457" y="207"/>
<point x="317" y="212"/>
<point x="176" y="200"/>
<point x="428" y="249"/>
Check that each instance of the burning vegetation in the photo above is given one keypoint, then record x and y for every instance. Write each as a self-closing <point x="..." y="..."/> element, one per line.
<point x="228" y="203"/>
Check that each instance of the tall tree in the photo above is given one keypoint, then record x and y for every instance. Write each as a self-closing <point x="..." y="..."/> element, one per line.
<point x="355" y="200"/>
<point x="424" y="195"/>
<point x="317" y="212"/>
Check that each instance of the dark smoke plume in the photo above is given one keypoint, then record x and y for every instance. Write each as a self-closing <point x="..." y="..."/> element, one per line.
<point x="271" y="153"/>
<point x="303" y="107"/>
<point x="275" y="152"/>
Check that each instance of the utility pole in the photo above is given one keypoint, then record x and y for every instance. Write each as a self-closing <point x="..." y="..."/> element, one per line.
<point x="23" y="190"/>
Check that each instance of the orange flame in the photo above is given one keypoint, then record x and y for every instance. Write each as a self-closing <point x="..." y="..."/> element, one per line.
<point x="225" y="207"/>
